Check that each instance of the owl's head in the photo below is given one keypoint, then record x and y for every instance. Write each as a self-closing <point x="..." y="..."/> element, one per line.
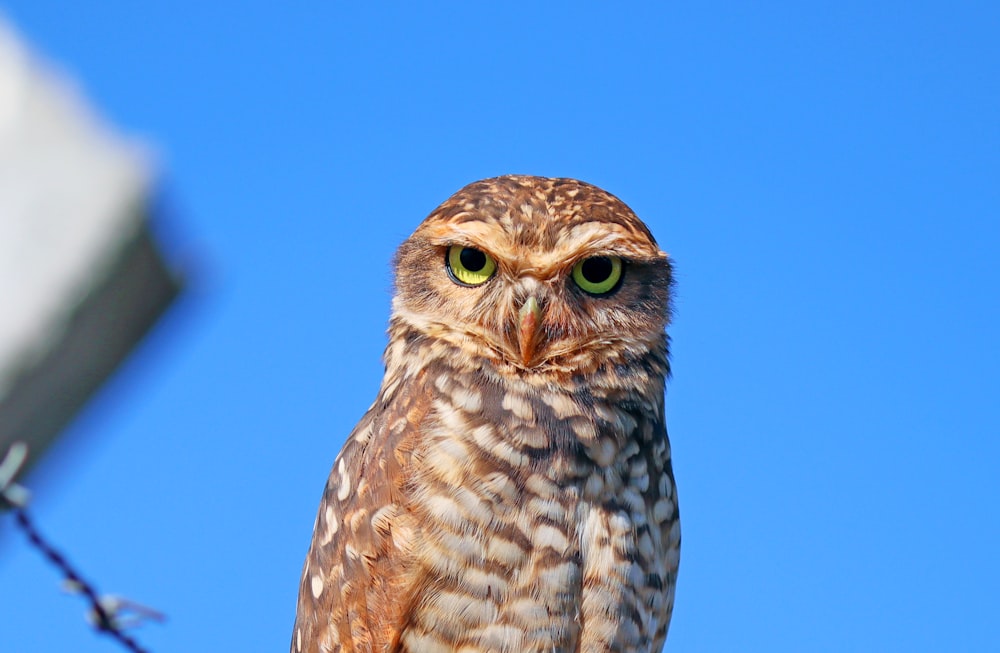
<point x="535" y="274"/>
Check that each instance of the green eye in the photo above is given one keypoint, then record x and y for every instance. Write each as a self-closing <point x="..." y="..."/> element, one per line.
<point x="469" y="266"/>
<point x="598" y="275"/>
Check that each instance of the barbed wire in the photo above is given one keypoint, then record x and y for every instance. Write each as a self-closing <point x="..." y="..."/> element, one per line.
<point x="106" y="612"/>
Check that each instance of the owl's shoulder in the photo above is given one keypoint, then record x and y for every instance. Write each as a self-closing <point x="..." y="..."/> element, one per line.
<point x="356" y="582"/>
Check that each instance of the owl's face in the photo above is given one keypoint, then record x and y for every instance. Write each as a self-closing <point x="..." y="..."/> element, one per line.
<point x="535" y="274"/>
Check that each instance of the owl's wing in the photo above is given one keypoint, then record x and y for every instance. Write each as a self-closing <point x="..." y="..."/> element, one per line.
<point x="661" y="503"/>
<point x="357" y="585"/>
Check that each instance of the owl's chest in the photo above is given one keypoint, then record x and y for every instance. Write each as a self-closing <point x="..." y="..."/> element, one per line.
<point x="535" y="527"/>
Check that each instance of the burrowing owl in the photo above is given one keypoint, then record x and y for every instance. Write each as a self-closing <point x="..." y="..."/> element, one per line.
<point x="510" y="489"/>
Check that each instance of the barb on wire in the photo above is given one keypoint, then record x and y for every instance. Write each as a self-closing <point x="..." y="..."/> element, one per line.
<point x="110" y="615"/>
<point x="12" y="494"/>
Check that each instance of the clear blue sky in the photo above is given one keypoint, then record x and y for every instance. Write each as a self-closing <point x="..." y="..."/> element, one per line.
<point x="826" y="177"/>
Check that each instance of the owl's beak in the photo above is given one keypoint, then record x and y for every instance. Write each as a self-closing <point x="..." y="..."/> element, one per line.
<point x="530" y="317"/>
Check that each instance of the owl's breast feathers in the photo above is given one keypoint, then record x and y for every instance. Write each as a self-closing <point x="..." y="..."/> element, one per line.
<point x="469" y="509"/>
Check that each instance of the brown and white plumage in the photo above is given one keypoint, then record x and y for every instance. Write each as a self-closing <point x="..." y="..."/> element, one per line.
<point x="510" y="489"/>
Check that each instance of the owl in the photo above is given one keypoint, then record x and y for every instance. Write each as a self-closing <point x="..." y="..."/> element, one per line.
<point x="510" y="490"/>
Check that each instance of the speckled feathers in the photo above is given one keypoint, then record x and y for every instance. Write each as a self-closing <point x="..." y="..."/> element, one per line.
<point x="497" y="499"/>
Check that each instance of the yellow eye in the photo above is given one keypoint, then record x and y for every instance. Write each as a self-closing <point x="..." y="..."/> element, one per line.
<point x="598" y="275"/>
<point x="469" y="266"/>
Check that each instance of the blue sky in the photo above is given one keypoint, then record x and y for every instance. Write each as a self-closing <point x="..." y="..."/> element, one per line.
<point x="826" y="177"/>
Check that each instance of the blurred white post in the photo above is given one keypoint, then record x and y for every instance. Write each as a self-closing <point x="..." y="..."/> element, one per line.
<point x="81" y="280"/>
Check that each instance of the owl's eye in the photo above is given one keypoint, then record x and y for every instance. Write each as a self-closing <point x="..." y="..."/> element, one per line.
<point x="469" y="266"/>
<point x="598" y="275"/>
